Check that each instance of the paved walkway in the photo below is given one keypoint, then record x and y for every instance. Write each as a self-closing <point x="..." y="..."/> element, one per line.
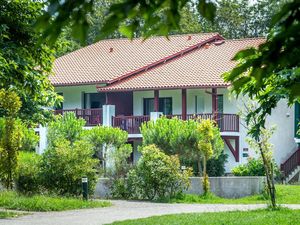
<point x="122" y="210"/>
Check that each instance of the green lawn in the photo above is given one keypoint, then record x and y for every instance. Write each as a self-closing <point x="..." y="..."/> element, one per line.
<point x="259" y="217"/>
<point x="286" y="194"/>
<point x="11" y="200"/>
<point x="5" y="214"/>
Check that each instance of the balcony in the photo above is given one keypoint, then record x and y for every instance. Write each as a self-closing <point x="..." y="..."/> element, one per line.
<point x="92" y="117"/>
<point x="131" y="124"/>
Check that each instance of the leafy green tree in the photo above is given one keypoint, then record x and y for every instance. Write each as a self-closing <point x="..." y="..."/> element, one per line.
<point x="24" y="65"/>
<point x="241" y="18"/>
<point x="147" y="17"/>
<point x="271" y="72"/>
<point x="11" y="136"/>
<point x="205" y="146"/>
<point x="63" y="166"/>
<point x="180" y="137"/>
<point x="104" y="139"/>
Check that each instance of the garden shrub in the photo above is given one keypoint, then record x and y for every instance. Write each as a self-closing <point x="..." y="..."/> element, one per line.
<point x="157" y="175"/>
<point x="66" y="127"/>
<point x="118" y="175"/>
<point x="216" y="165"/>
<point x="254" y="167"/>
<point x="30" y="139"/>
<point x="103" y="139"/>
<point x="63" y="165"/>
<point x="28" y="171"/>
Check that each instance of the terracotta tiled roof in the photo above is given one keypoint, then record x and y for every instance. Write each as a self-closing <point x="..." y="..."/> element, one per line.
<point x="200" y="68"/>
<point x="108" y="60"/>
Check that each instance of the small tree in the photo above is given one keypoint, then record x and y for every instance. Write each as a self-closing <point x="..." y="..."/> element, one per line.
<point x="10" y="139"/>
<point x="103" y="138"/>
<point x="261" y="143"/>
<point x="210" y="144"/>
<point x="65" y="127"/>
<point x="180" y="137"/>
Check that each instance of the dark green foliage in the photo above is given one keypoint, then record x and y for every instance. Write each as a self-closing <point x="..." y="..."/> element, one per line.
<point x="254" y="167"/>
<point x="64" y="165"/>
<point x="11" y="136"/>
<point x="271" y="72"/>
<point x="30" y="139"/>
<point x="28" y="173"/>
<point x="24" y="65"/>
<point x="216" y="165"/>
<point x="148" y="17"/>
<point x="66" y="127"/>
<point x="118" y="176"/>
<point x="157" y="175"/>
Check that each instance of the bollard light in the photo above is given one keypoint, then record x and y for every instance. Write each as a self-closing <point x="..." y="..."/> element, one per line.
<point x="84" y="181"/>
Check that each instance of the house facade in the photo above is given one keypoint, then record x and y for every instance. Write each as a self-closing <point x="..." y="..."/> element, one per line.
<point x="124" y="83"/>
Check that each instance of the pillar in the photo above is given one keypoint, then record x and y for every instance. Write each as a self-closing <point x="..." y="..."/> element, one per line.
<point x="183" y="103"/>
<point x="156" y="100"/>
<point x="108" y="111"/>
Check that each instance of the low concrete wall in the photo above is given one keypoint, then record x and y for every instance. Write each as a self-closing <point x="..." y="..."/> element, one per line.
<point x="227" y="187"/>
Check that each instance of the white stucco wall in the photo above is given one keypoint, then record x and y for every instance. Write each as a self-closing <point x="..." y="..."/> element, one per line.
<point x="73" y="95"/>
<point x="282" y="117"/>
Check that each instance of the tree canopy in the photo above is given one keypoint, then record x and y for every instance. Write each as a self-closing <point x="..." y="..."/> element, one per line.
<point x="271" y="72"/>
<point x="25" y="66"/>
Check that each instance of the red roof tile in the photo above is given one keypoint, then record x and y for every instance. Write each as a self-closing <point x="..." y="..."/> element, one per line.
<point x="199" y="68"/>
<point x="108" y="60"/>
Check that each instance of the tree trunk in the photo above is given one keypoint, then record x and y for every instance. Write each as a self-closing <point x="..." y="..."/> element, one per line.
<point x="205" y="181"/>
<point x="270" y="178"/>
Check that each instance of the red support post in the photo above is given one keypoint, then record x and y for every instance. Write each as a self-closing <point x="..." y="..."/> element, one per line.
<point x="183" y="97"/>
<point x="214" y="103"/>
<point x="156" y="100"/>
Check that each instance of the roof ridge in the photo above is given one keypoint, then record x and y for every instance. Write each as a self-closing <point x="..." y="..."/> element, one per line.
<point x="167" y="58"/>
<point x="243" y="39"/>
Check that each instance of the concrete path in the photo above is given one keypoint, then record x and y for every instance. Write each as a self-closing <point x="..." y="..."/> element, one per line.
<point x="122" y="210"/>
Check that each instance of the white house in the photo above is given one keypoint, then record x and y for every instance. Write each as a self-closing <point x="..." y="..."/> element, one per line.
<point x="124" y="83"/>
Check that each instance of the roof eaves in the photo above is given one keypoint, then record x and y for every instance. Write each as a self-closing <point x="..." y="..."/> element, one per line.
<point x="111" y="89"/>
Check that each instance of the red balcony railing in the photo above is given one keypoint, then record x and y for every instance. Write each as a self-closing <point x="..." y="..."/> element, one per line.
<point x="226" y="122"/>
<point x="291" y="163"/>
<point x="91" y="116"/>
<point x="131" y="124"/>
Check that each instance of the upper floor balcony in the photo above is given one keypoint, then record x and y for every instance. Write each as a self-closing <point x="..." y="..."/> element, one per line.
<point x="92" y="117"/>
<point x="131" y="124"/>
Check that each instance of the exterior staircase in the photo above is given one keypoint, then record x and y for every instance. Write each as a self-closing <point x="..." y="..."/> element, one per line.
<point x="291" y="167"/>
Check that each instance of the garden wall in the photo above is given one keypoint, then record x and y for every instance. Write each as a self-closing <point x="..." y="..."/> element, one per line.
<point x="227" y="187"/>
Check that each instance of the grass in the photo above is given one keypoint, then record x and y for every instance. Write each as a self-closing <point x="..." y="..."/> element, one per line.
<point x="5" y="214"/>
<point x="286" y="194"/>
<point x="258" y="217"/>
<point x="12" y="200"/>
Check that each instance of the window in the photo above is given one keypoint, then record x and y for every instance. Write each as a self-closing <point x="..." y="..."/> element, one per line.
<point x="165" y="106"/>
<point x="94" y="100"/>
<point x="220" y="104"/>
<point x="61" y="105"/>
<point x="199" y="104"/>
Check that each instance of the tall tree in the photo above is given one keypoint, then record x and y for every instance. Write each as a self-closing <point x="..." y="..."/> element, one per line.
<point x="241" y="18"/>
<point x="25" y="66"/>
